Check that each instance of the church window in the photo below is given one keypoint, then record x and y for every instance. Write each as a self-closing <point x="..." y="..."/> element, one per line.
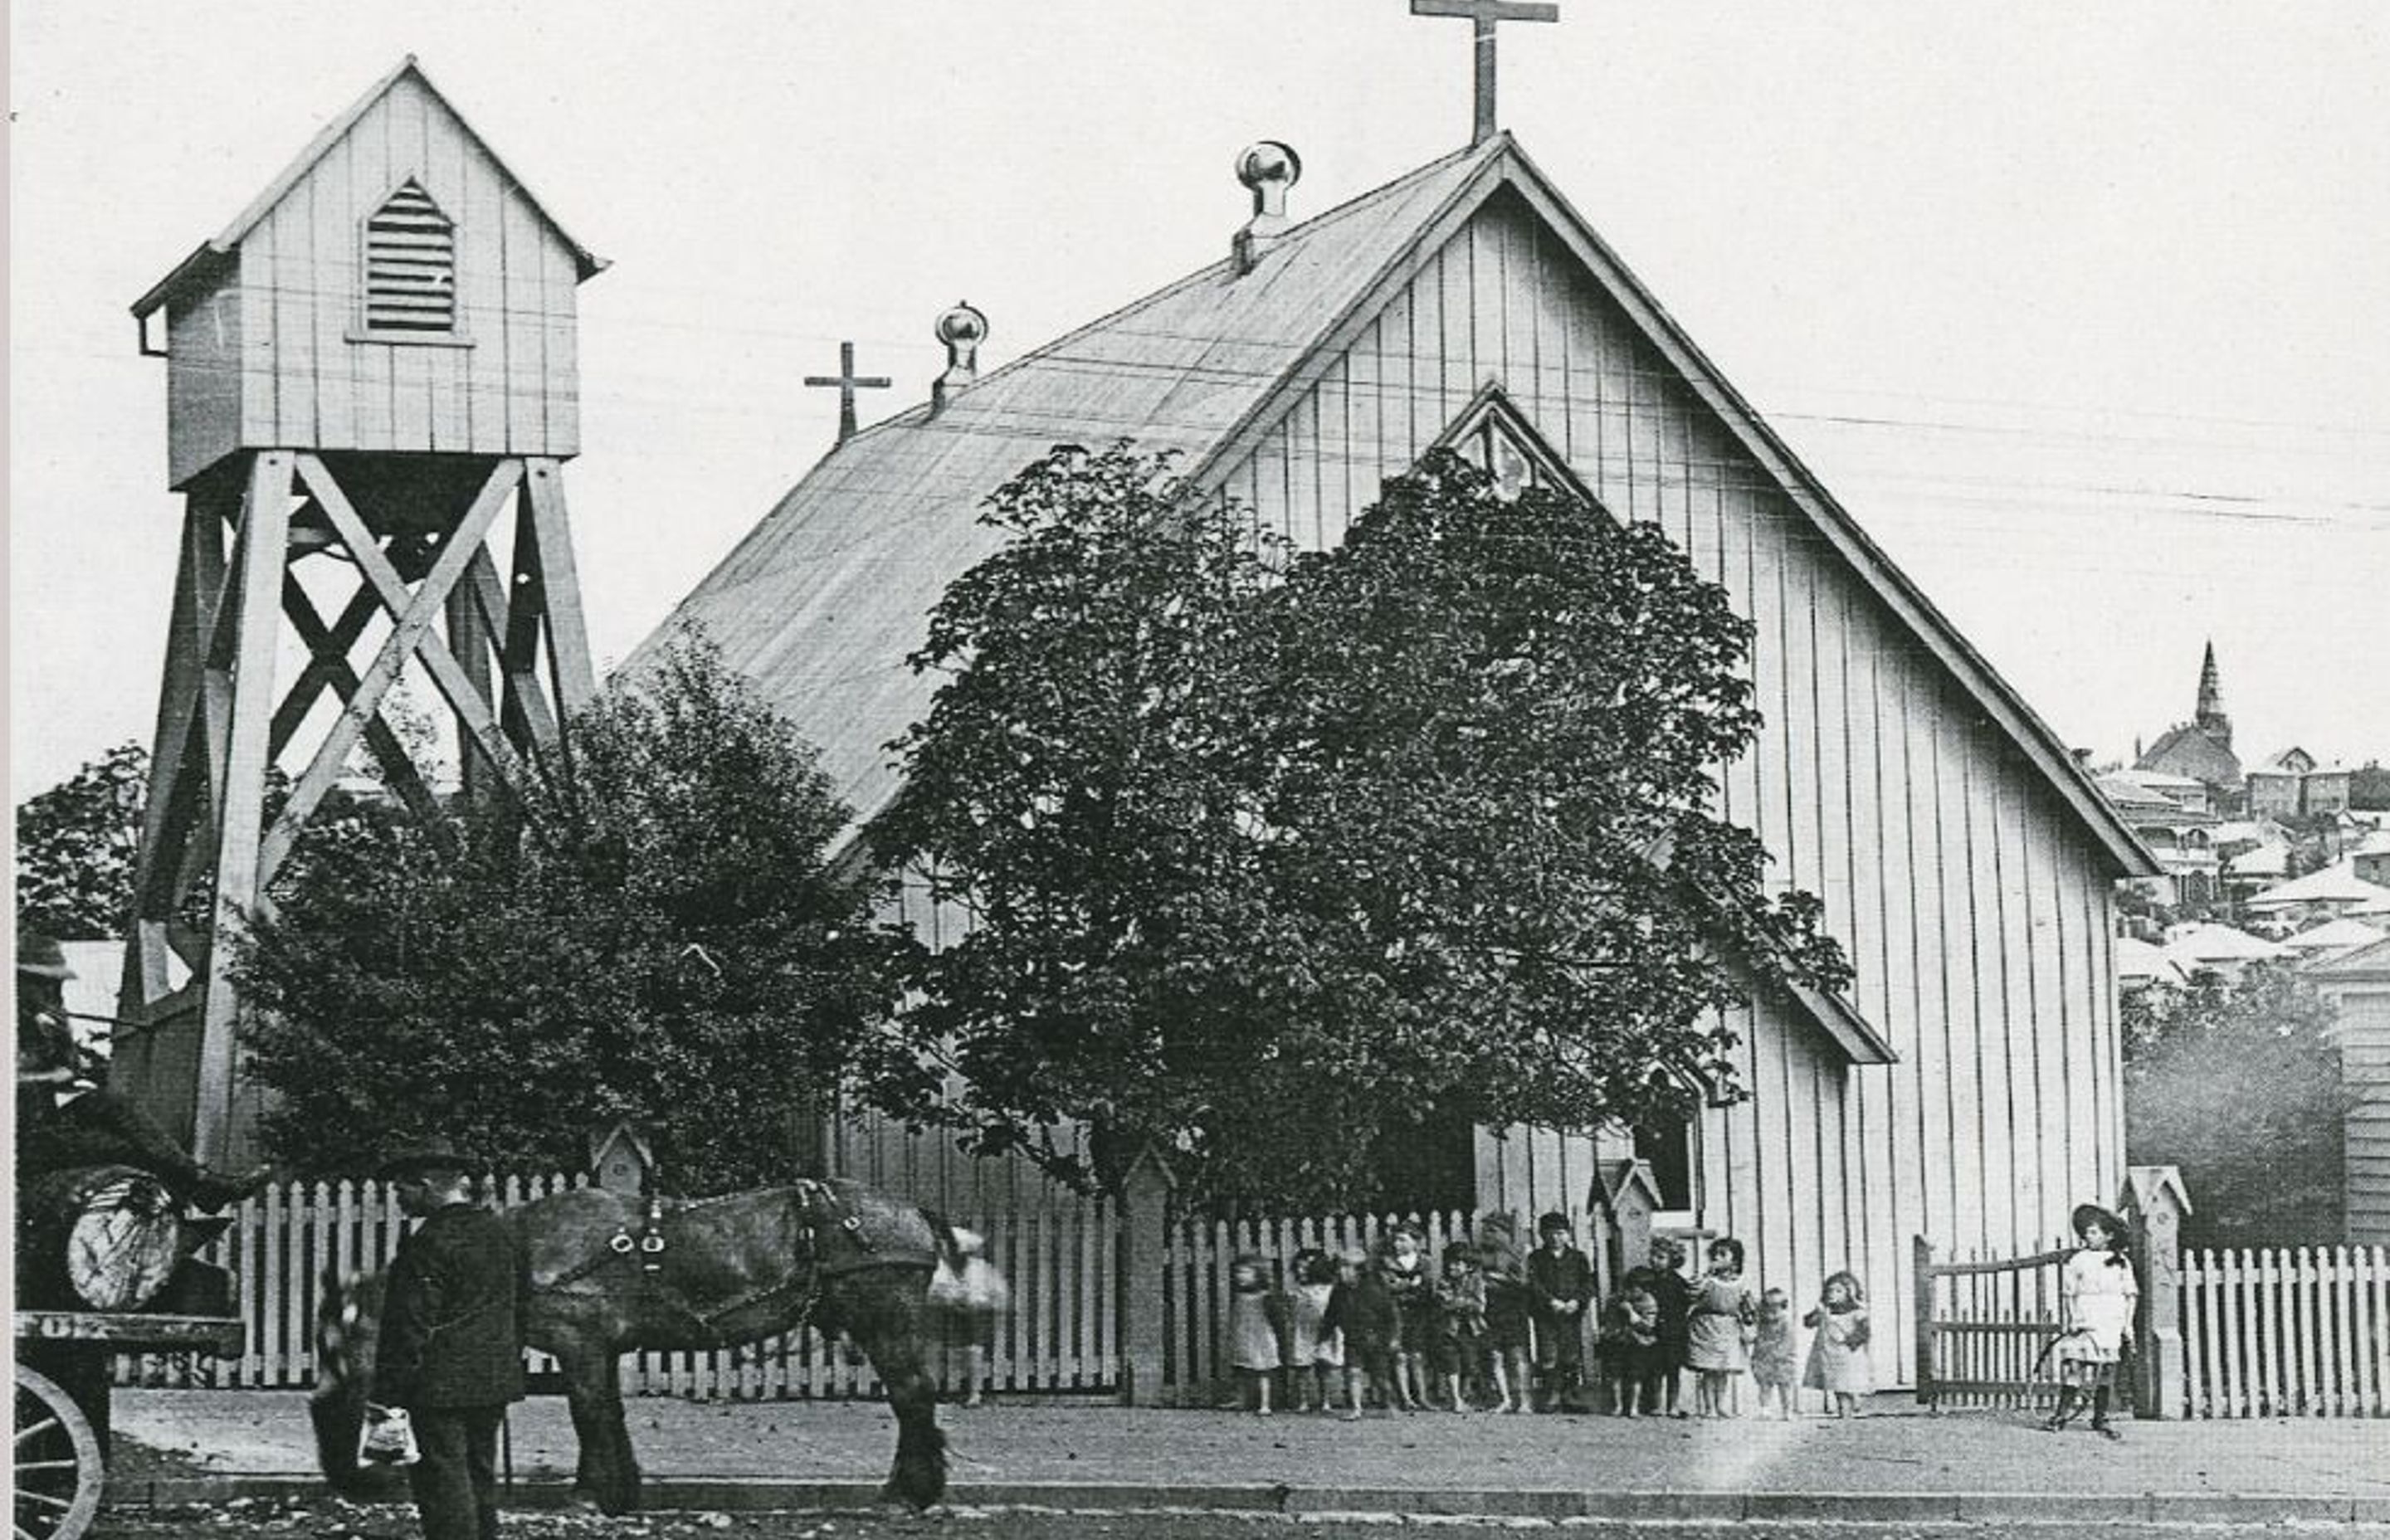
<point x="1492" y="434"/>
<point x="410" y="289"/>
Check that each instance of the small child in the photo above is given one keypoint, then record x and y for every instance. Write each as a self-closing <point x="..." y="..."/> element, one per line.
<point x="1560" y="1281"/>
<point x="2100" y="1295"/>
<point x="1630" y="1340"/>
<point x="1460" y="1335"/>
<point x="1673" y="1294"/>
<point x="1362" y="1316"/>
<point x="1253" y="1331"/>
<point x="1315" y="1351"/>
<point x="1773" y="1362"/>
<point x="1722" y="1306"/>
<point x="1407" y="1278"/>
<point x="1838" y="1355"/>
<point x="1508" y="1337"/>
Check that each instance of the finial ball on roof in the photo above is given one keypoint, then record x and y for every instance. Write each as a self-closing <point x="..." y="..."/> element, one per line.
<point x="964" y="324"/>
<point x="1269" y="162"/>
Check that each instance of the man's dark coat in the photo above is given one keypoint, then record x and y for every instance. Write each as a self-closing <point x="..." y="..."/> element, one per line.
<point x="451" y="1323"/>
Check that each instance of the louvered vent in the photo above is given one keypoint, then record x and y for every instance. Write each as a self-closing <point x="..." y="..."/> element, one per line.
<point x="410" y="266"/>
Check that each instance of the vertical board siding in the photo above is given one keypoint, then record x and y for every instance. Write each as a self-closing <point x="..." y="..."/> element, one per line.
<point x="1975" y="917"/>
<point x="287" y="372"/>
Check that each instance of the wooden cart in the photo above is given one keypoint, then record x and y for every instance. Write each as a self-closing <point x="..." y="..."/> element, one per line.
<point x="63" y="1359"/>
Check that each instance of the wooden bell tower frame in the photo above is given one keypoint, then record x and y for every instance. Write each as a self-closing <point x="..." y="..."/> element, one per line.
<point x="380" y="378"/>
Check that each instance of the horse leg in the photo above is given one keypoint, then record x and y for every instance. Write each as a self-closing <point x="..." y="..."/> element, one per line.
<point x="608" y="1471"/>
<point x="887" y="1314"/>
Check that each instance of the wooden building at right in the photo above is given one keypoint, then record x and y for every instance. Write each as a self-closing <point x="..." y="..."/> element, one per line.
<point x="2359" y="984"/>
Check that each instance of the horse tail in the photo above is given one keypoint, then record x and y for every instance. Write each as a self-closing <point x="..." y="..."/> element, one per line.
<point x="348" y="1323"/>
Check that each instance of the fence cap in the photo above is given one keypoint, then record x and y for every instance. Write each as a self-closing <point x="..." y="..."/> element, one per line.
<point x="1614" y="1179"/>
<point x="2143" y="1185"/>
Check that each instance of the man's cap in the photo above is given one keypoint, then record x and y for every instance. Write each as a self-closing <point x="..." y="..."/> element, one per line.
<point x="1554" y="1221"/>
<point x="422" y="1155"/>
<point x="41" y="956"/>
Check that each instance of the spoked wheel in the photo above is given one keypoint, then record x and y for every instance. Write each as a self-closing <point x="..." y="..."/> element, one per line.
<point x="57" y="1461"/>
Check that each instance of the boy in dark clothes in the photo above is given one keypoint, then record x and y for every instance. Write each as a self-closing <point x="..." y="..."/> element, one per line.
<point x="1364" y="1310"/>
<point x="1673" y="1294"/>
<point x="1560" y="1281"/>
<point x="1508" y="1318"/>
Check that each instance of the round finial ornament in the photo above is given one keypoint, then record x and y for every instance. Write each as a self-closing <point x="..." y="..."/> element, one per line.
<point x="1269" y="162"/>
<point x="965" y="325"/>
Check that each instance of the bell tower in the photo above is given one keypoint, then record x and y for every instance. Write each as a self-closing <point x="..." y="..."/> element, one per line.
<point x="371" y="393"/>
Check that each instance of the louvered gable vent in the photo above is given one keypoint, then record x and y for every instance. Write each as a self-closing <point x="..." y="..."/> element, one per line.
<point x="410" y="266"/>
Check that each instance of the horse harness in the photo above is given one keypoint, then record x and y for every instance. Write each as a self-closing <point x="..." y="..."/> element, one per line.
<point x="817" y="1201"/>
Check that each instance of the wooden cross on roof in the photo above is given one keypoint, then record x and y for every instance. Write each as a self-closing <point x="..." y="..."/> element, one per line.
<point x="847" y="383"/>
<point x="1487" y="15"/>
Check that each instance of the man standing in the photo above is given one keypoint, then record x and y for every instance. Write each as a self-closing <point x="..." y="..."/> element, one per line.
<point x="451" y="1345"/>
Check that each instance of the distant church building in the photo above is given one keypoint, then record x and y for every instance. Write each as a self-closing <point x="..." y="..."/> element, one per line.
<point x="2201" y="748"/>
<point x="1965" y="1087"/>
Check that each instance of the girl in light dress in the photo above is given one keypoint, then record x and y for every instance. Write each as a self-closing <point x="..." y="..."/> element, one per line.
<point x="1723" y="1305"/>
<point x="1314" y="1357"/>
<point x="2099" y="1295"/>
<point x="1838" y="1355"/>
<point x="1772" y="1356"/>
<point x="1253" y="1331"/>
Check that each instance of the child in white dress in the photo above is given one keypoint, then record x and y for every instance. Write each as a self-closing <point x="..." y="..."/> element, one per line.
<point x="2100" y="1296"/>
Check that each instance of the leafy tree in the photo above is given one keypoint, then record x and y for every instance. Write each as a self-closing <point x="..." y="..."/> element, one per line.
<point x="1272" y="857"/>
<point x="76" y="847"/>
<point x="2369" y="788"/>
<point x="2237" y="1083"/>
<point x="652" y="931"/>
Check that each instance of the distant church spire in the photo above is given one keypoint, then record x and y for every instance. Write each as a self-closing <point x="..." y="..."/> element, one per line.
<point x="2211" y="719"/>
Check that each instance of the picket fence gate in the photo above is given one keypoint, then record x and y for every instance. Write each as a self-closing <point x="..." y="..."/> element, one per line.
<point x="2280" y="1332"/>
<point x="1061" y="1333"/>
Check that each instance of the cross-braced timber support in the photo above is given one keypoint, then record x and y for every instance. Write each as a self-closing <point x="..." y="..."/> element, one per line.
<point x="509" y="657"/>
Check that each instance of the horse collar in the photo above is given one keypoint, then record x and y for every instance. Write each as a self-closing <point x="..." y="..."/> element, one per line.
<point x="648" y="1243"/>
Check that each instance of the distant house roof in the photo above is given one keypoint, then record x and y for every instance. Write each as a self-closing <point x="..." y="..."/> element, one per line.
<point x="2138" y="962"/>
<point x="203" y="261"/>
<point x="2370" y="964"/>
<point x="2195" y="946"/>
<point x="2264" y="861"/>
<point x="2130" y="794"/>
<point x="2337" y="883"/>
<point x="2334" y="937"/>
<point x="2375" y="843"/>
<point x="2293" y="760"/>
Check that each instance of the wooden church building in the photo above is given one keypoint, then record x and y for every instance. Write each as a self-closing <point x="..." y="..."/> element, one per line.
<point x="1966" y="1088"/>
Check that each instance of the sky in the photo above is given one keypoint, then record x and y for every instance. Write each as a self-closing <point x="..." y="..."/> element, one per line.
<point x="2077" y="308"/>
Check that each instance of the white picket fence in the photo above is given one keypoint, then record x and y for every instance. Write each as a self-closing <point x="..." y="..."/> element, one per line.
<point x="1062" y="1334"/>
<point x="2286" y="1332"/>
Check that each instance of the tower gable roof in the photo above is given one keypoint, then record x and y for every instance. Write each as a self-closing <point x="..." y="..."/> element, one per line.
<point x="206" y="257"/>
<point x="827" y="596"/>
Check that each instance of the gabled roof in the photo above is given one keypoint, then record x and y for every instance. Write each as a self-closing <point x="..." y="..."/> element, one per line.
<point x="2337" y="883"/>
<point x="205" y="258"/>
<point x="827" y="596"/>
<point x="2186" y="749"/>
<point x="2191" y="946"/>
<point x="2369" y="963"/>
<point x="2334" y="937"/>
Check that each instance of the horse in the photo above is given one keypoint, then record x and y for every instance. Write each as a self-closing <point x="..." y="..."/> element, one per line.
<point x="604" y="1274"/>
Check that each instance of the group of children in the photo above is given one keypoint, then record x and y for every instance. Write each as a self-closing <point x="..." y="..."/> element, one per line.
<point x="1393" y="1328"/>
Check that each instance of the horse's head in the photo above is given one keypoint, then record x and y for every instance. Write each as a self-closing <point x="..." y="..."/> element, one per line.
<point x="348" y="1323"/>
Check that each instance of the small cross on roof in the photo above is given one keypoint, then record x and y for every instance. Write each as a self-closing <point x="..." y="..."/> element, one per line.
<point x="1487" y="15"/>
<point x="846" y="381"/>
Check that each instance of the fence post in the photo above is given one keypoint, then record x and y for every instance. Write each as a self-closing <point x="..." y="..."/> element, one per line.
<point x="1144" y="1218"/>
<point x="2155" y="1204"/>
<point x="1626" y="1192"/>
<point x="1922" y="1295"/>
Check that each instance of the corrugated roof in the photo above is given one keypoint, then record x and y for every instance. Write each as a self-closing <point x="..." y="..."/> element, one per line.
<point x="2335" y="883"/>
<point x="823" y="600"/>
<point x="827" y="595"/>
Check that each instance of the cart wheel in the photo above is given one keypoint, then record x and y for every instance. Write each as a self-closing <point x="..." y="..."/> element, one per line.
<point x="57" y="1461"/>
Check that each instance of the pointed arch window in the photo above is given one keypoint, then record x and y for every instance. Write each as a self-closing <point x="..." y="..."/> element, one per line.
<point x="410" y="277"/>
<point x="1493" y="434"/>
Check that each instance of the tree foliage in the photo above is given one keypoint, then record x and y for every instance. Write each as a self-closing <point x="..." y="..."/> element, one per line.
<point x="2235" y="1083"/>
<point x="1273" y="855"/>
<point x="76" y="846"/>
<point x="651" y="931"/>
